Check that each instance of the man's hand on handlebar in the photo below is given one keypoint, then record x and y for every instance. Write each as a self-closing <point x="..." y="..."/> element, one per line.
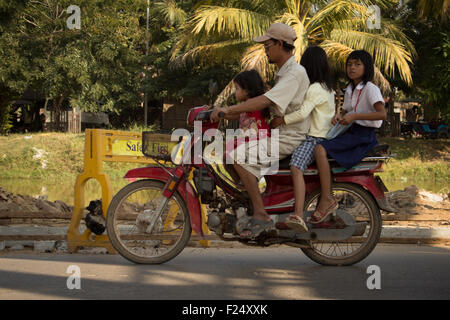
<point x="217" y="114"/>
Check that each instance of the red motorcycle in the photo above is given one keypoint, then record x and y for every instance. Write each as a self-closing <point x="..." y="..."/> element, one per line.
<point x="150" y="220"/>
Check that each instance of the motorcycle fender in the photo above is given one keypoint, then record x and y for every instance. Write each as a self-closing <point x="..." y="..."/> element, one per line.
<point x="366" y="181"/>
<point x="186" y="191"/>
<point x="372" y="184"/>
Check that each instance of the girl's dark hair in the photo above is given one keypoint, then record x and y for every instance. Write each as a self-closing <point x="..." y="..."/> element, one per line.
<point x="367" y="61"/>
<point x="315" y="61"/>
<point x="252" y="82"/>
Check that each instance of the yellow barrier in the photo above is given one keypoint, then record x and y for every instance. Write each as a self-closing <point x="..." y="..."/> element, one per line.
<point x="99" y="146"/>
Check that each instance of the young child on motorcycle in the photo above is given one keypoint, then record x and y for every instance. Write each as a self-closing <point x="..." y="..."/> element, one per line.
<point x="248" y="84"/>
<point x="363" y="108"/>
<point x="319" y="106"/>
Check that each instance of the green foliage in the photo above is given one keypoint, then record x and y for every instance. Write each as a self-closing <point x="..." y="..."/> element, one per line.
<point x="165" y="79"/>
<point x="5" y="120"/>
<point x="432" y="68"/>
<point x="438" y="9"/>
<point x="95" y="68"/>
<point x="223" y="31"/>
<point x="433" y="83"/>
<point x="101" y="67"/>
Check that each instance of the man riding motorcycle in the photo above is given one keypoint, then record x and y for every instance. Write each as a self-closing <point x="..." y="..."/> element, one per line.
<point x="285" y="97"/>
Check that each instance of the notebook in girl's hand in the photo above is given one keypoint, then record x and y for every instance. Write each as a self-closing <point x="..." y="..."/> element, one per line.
<point x="337" y="130"/>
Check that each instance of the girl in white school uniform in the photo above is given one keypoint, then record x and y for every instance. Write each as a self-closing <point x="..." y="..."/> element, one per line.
<point x="364" y="100"/>
<point x="319" y="107"/>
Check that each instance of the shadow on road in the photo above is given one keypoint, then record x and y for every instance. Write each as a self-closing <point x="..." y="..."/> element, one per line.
<point x="407" y="272"/>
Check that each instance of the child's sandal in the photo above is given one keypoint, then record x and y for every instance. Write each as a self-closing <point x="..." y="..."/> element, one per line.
<point x="319" y="216"/>
<point x="296" y="223"/>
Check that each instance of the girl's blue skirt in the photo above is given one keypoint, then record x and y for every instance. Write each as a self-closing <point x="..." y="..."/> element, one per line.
<point x="351" y="147"/>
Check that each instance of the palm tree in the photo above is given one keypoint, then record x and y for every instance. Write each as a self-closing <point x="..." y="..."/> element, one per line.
<point x="223" y="30"/>
<point x="171" y="12"/>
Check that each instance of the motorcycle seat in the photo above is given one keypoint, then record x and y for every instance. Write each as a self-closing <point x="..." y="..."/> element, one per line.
<point x="377" y="151"/>
<point x="284" y="164"/>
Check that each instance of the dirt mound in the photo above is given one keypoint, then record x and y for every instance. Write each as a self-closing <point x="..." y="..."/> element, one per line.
<point x="10" y="202"/>
<point x="413" y="200"/>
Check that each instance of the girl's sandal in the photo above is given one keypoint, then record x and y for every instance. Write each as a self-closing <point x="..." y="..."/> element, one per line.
<point x="319" y="216"/>
<point x="296" y="223"/>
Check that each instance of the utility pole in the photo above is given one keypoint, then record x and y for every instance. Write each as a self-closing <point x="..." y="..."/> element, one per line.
<point x="146" y="64"/>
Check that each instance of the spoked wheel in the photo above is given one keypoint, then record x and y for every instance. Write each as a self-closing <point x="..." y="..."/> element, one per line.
<point x="360" y="204"/>
<point x="137" y="233"/>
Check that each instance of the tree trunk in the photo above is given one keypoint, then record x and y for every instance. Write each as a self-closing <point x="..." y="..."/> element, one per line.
<point x="58" y="113"/>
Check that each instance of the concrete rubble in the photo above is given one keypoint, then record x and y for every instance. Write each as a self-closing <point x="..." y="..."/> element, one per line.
<point x="10" y="202"/>
<point x="413" y="200"/>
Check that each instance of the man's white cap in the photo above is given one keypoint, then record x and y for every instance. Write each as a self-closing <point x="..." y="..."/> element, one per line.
<point x="279" y="31"/>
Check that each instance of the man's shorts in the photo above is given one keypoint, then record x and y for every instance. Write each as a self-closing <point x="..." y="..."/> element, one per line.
<point x="269" y="165"/>
<point x="303" y="155"/>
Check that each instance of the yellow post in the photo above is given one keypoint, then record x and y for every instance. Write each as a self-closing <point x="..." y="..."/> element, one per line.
<point x="92" y="170"/>
<point x="101" y="145"/>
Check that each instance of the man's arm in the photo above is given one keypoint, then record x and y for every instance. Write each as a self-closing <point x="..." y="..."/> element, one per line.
<point x="232" y="116"/>
<point x="254" y="104"/>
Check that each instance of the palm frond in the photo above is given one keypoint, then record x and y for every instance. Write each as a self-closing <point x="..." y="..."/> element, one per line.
<point x="388" y="54"/>
<point x="302" y="35"/>
<point x="240" y="23"/>
<point x="223" y="97"/>
<point x="340" y="10"/>
<point x="172" y="13"/>
<point x="337" y="55"/>
<point x="255" y="58"/>
<point x="218" y="52"/>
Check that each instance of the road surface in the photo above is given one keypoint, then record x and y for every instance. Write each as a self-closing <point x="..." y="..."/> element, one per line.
<point x="406" y="272"/>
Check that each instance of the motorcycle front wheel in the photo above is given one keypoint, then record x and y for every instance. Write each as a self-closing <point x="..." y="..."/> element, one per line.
<point x="130" y="213"/>
<point x="356" y="201"/>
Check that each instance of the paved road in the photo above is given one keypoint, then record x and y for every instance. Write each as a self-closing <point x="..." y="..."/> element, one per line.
<point x="407" y="272"/>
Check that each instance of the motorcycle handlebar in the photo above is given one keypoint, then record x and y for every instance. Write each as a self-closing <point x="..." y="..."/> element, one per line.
<point x="205" y="115"/>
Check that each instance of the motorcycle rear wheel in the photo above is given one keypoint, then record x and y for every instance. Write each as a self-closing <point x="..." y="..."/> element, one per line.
<point x="168" y="238"/>
<point x="362" y="206"/>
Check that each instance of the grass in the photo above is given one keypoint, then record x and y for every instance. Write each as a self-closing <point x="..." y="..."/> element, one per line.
<point x="418" y="159"/>
<point x="47" y="156"/>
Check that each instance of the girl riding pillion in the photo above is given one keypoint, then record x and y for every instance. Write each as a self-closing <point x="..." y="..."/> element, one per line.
<point x="319" y="106"/>
<point x="247" y="84"/>
<point x="363" y="108"/>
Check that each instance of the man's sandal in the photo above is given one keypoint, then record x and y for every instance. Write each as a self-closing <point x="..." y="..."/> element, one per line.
<point x="319" y="216"/>
<point x="296" y="223"/>
<point x="256" y="227"/>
